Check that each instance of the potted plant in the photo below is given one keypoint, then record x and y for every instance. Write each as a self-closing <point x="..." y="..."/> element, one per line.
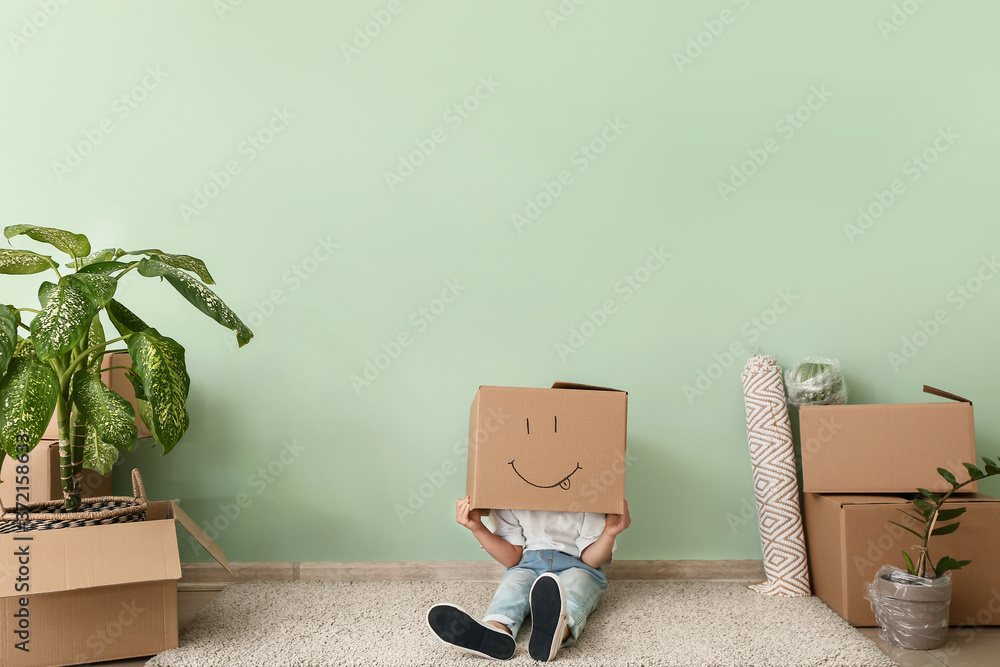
<point x="55" y="366"/>
<point x="912" y="605"/>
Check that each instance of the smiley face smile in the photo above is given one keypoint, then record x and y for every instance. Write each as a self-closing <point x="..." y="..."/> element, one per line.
<point x="563" y="484"/>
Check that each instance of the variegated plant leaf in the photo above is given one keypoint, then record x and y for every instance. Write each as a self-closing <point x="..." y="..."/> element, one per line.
<point x="96" y="337"/>
<point x="111" y="415"/>
<point x="99" y="256"/>
<point x="8" y="336"/>
<point x="76" y="245"/>
<point x="67" y="309"/>
<point x="186" y="262"/>
<point x="146" y="414"/>
<point x="98" y="456"/>
<point x="159" y="362"/>
<point x="101" y="287"/>
<point x="23" y="262"/>
<point x="29" y="391"/>
<point x="125" y="320"/>
<point x="103" y="268"/>
<point x="200" y="296"/>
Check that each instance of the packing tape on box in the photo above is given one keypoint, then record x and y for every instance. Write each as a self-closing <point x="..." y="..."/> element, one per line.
<point x="772" y="455"/>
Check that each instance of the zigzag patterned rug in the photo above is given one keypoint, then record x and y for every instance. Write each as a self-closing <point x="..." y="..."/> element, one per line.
<point x="381" y="623"/>
<point x="777" y="488"/>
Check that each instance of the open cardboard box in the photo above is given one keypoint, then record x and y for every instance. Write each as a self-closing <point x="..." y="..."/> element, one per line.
<point x="43" y="477"/>
<point x="560" y="449"/>
<point x="849" y="538"/>
<point x="94" y="593"/>
<point x="118" y="381"/>
<point x="893" y="448"/>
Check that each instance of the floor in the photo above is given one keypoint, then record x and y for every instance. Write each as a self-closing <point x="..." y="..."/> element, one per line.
<point x="964" y="648"/>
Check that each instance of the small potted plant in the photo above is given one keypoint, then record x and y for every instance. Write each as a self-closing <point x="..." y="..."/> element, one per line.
<point x="55" y="366"/>
<point x="912" y="605"/>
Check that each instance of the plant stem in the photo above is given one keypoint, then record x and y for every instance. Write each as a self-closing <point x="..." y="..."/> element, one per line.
<point x="924" y="560"/>
<point x="83" y="356"/>
<point x="69" y="481"/>
<point x="55" y="267"/>
<point x="124" y="271"/>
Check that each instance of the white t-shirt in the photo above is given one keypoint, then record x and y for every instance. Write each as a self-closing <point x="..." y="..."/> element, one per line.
<point x="569" y="532"/>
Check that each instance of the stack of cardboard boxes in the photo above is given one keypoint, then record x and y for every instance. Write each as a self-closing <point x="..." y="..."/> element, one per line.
<point x="78" y="595"/>
<point x="861" y="464"/>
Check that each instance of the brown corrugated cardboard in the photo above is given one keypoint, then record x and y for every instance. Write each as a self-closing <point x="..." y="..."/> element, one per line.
<point x="43" y="477"/>
<point x="94" y="593"/>
<point x="850" y="538"/>
<point x="893" y="448"/>
<point x="558" y="449"/>
<point x="119" y="382"/>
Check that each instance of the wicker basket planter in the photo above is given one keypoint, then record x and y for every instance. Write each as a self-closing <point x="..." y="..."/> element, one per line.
<point x="51" y="514"/>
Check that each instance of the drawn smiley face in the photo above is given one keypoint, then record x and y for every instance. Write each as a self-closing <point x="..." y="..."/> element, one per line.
<point x="564" y="483"/>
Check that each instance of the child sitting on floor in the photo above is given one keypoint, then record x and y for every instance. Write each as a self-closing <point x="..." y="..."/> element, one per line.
<point x="553" y="561"/>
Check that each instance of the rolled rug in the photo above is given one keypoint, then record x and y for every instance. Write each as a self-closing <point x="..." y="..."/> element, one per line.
<point x="769" y="434"/>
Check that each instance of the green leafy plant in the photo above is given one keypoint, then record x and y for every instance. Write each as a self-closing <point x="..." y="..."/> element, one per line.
<point x="934" y="519"/>
<point x="56" y="366"/>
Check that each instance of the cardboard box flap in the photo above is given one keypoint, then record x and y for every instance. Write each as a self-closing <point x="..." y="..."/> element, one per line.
<point x="87" y="557"/>
<point x="945" y="394"/>
<point x="214" y="550"/>
<point x="590" y="387"/>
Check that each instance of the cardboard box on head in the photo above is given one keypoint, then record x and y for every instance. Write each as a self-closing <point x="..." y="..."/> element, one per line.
<point x="560" y="449"/>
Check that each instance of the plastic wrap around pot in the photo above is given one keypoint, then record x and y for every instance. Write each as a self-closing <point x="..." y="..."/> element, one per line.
<point x="913" y="611"/>
<point x="816" y="381"/>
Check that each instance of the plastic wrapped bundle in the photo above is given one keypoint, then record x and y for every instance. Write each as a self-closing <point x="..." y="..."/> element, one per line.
<point x="912" y="610"/>
<point x="816" y="381"/>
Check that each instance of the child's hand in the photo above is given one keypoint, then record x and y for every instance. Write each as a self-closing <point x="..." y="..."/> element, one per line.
<point x="616" y="523"/>
<point x="470" y="518"/>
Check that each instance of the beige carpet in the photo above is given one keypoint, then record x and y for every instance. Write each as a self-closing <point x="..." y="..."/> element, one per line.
<point x="638" y="623"/>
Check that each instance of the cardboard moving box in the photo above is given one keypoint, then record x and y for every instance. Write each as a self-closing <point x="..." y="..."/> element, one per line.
<point x="43" y="477"/>
<point x="893" y="448"/>
<point x="93" y="593"/>
<point x="849" y="538"/>
<point x="560" y="449"/>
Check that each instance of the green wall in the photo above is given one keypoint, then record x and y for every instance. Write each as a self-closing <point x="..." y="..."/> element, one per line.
<point x="253" y="135"/>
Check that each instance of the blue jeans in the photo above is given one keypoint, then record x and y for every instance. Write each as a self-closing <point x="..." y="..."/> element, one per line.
<point x="583" y="585"/>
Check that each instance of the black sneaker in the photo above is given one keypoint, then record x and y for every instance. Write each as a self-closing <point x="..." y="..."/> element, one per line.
<point x="455" y="627"/>
<point x="548" y="617"/>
